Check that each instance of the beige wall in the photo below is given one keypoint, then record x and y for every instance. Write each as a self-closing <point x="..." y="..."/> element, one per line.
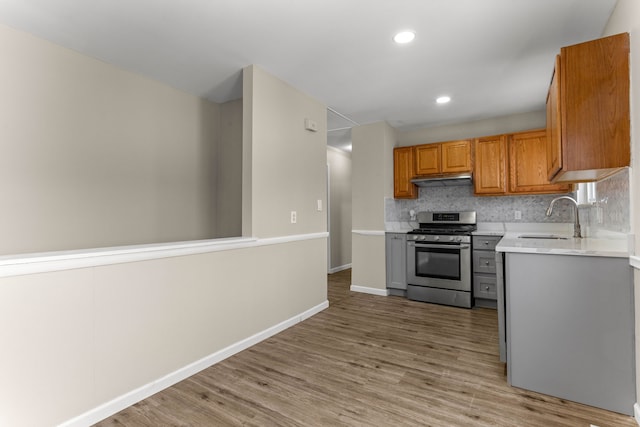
<point x="96" y="156"/>
<point x="494" y="126"/>
<point x="372" y="181"/>
<point x="229" y="171"/>
<point x="74" y="340"/>
<point x="340" y="207"/>
<point x="368" y="263"/>
<point x="287" y="162"/>
<point x="626" y="18"/>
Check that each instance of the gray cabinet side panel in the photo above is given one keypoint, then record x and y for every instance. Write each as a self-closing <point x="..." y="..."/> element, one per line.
<point x="396" y="259"/>
<point x="570" y="327"/>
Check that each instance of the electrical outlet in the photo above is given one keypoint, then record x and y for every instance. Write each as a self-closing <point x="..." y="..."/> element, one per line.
<point x="517" y="215"/>
<point x="294" y="217"/>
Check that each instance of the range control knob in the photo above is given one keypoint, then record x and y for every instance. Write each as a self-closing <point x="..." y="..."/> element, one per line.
<point x="459" y="239"/>
<point x="451" y="238"/>
<point x="423" y="238"/>
<point x="436" y="238"/>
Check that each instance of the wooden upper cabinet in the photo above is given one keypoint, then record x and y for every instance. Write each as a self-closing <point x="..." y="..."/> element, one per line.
<point x="403" y="172"/>
<point x="443" y="158"/>
<point x="528" y="164"/>
<point x="513" y="164"/>
<point x="456" y="156"/>
<point x="490" y="158"/>
<point x="428" y="159"/>
<point x="554" y="145"/>
<point x="594" y="109"/>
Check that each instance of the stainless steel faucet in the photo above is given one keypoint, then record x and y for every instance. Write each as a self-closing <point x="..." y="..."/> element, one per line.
<point x="576" y="223"/>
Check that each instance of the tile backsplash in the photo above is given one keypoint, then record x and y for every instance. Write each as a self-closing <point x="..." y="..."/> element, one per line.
<point x="488" y="208"/>
<point x="611" y="211"/>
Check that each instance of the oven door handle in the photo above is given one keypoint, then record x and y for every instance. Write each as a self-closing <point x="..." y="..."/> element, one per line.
<point x="437" y="246"/>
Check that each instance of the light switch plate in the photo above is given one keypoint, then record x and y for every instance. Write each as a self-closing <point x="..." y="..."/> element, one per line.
<point x="310" y="125"/>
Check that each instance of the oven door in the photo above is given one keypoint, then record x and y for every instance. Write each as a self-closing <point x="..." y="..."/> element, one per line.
<point x="439" y="265"/>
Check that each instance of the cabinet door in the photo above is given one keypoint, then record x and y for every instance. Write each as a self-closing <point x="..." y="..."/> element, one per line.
<point x="428" y="159"/>
<point x="528" y="164"/>
<point x="594" y="103"/>
<point x="484" y="262"/>
<point x="403" y="172"/>
<point x="456" y="156"/>
<point x="554" y="146"/>
<point x="485" y="286"/>
<point x="487" y="243"/>
<point x="396" y="260"/>
<point x="490" y="161"/>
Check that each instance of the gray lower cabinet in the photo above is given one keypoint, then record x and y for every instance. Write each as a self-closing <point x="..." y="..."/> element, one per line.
<point x="484" y="270"/>
<point x="570" y="328"/>
<point x="396" y="260"/>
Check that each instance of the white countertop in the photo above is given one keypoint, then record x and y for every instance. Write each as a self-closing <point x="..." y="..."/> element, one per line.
<point x="399" y="227"/>
<point x="604" y="244"/>
<point x="502" y="228"/>
<point x="589" y="246"/>
<point x="490" y="228"/>
<point x="488" y="233"/>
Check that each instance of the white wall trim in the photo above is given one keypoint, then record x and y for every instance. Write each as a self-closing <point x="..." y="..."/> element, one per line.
<point x="16" y="265"/>
<point x="634" y="261"/>
<point x="372" y="291"/>
<point x="119" y="403"/>
<point x="636" y="412"/>
<point x="340" y="268"/>
<point x="369" y="232"/>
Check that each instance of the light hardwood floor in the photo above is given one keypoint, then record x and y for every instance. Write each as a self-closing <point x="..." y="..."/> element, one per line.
<point x="365" y="361"/>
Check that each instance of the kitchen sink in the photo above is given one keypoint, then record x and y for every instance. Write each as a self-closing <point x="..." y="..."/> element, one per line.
<point x="542" y="236"/>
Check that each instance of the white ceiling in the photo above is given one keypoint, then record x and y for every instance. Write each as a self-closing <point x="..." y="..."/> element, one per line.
<point x="493" y="57"/>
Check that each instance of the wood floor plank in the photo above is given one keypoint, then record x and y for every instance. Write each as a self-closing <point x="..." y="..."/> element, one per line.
<point x="365" y="361"/>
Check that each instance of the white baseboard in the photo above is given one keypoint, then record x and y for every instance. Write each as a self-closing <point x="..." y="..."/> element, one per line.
<point x="119" y="403"/>
<point x="373" y="291"/>
<point x="636" y="412"/>
<point x="340" y="268"/>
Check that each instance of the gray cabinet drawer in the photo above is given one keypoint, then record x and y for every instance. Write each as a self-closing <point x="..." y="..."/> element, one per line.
<point x="485" y="287"/>
<point x="484" y="262"/>
<point x="485" y="242"/>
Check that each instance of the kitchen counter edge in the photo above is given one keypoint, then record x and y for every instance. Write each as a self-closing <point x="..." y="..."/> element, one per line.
<point x="598" y="247"/>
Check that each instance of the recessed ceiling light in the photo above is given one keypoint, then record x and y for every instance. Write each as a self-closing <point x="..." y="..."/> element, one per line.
<point x="404" y="37"/>
<point x="443" y="99"/>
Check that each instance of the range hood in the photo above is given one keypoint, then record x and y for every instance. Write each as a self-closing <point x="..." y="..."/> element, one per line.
<point x="443" y="180"/>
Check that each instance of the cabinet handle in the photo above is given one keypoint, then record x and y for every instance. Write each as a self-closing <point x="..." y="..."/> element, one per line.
<point x="486" y="288"/>
<point x="486" y="242"/>
<point x="486" y="263"/>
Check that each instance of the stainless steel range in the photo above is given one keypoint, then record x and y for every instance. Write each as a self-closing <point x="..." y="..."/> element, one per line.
<point x="439" y="258"/>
